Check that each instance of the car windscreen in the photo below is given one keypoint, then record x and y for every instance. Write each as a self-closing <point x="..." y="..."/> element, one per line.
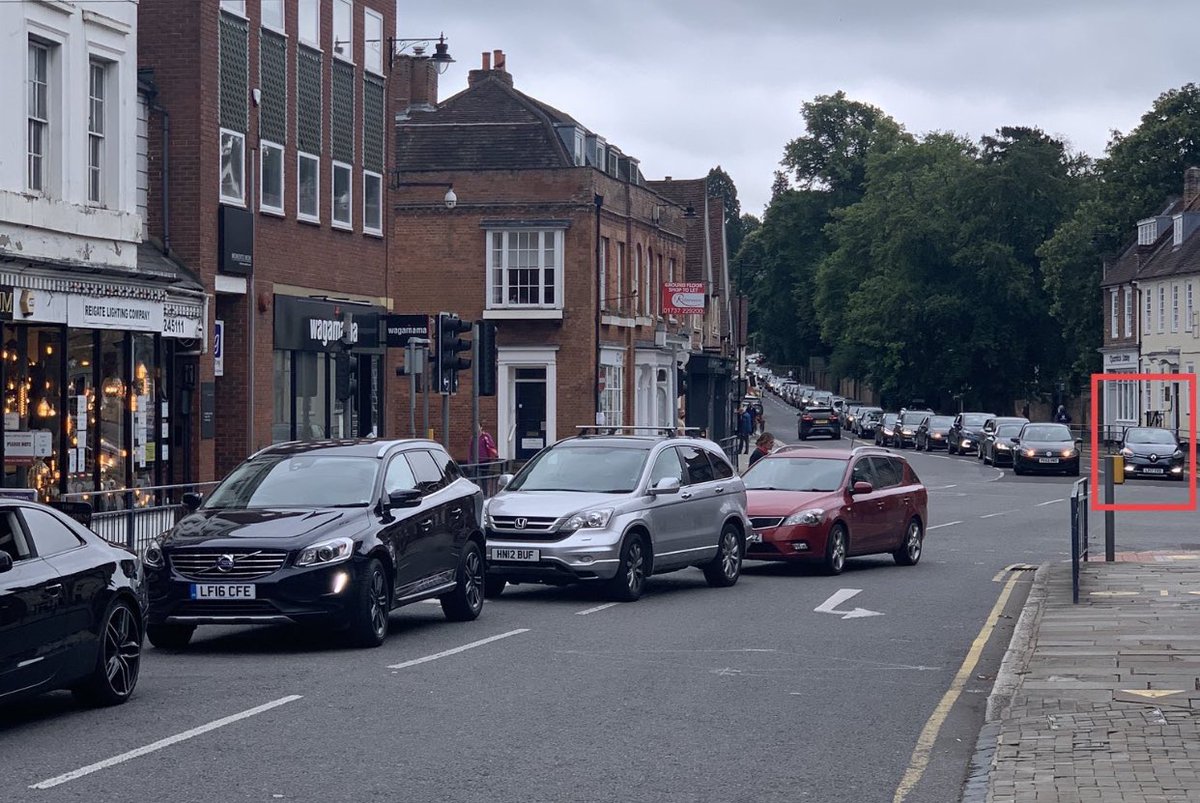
<point x="1150" y="436"/>
<point x="814" y="411"/>
<point x="890" y="418"/>
<point x="912" y="419"/>
<point x="975" y="420"/>
<point x="588" y="469"/>
<point x="309" y="480"/>
<point x="941" y="421"/>
<point x="1008" y="430"/>
<point x="1046" y="432"/>
<point x="795" y="474"/>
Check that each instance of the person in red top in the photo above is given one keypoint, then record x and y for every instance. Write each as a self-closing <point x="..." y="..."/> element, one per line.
<point x="765" y="444"/>
<point x="485" y="447"/>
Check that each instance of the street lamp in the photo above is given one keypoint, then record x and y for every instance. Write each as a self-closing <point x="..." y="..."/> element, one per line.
<point x="441" y="55"/>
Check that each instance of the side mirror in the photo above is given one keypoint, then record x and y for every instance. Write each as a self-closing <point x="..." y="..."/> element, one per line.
<point x="409" y="497"/>
<point x="502" y="481"/>
<point x="192" y="501"/>
<point x="6" y="562"/>
<point x="667" y="485"/>
<point x="1014" y="441"/>
<point x="1079" y="441"/>
<point x="861" y="488"/>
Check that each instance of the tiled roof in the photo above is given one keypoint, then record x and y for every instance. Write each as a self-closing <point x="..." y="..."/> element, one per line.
<point x="489" y="125"/>
<point x="1171" y="261"/>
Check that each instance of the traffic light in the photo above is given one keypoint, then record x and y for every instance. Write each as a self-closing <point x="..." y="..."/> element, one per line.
<point x="487" y="358"/>
<point x="449" y="346"/>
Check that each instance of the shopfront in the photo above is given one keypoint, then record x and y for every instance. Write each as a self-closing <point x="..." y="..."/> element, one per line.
<point x="87" y="370"/>
<point x="1120" y="398"/>
<point x="328" y="369"/>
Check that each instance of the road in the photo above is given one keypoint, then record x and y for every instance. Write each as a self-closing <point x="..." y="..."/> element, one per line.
<point x="690" y="694"/>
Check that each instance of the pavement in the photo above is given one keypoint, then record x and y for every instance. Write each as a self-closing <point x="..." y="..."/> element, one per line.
<point x="1099" y="701"/>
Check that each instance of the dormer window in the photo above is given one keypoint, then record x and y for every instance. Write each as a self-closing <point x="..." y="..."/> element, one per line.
<point x="1178" y="230"/>
<point x="1147" y="231"/>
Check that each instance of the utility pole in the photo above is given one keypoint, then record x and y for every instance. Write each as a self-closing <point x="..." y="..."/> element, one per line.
<point x="473" y="454"/>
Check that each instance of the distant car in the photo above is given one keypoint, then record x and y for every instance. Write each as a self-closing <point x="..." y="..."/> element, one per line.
<point x="850" y="414"/>
<point x="328" y="533"/>
<point x="967" y="431"/>
<point x="997" y="446"/>
<point x="72" y="608"/>
<point x="612" y="510"/>
<point x="885" y="430"/>
<point x="818" y="421"/>
<point x="825" y="505"/>
<point x="1152" y="452"/>
<point x="990" y="426"/>
<point x="1045" y="448"/>
<point x="905" y="432"/>
<point x="866" y="420"/>
<point x="934" y="432"/>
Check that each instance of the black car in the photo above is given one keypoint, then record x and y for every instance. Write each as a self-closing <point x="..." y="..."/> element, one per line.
<point x="72" y="608"/>
<point x="905" y="432"/>
<point x="934" y="432"/>
<point x="332" y="533"/>
<point x="819" y="421"/>
<point x="1152" y="452"/>
<point x="865" y="421"/>
<point x="885" y="430"/>
<point x="1045" y="448"/>
<point x="992" y="424"/>
<point x="997" y="446"/>
<point x="967" y="431"/>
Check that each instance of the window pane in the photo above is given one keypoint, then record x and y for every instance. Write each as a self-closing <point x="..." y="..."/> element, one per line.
<point x="272" y="177"/>
<point x="425" y="470"/>
<point x="231" y="165"/>
<point x="50" y="536"/>
<point x="372" y="202"/>
<point x="373" y="41"/>
<point x="341" y="194"/>
<point x="342" y="20"/>
<point x="310" y="21"/>
<point x="236" y="6"/>
<point x="698" y="466"/>
<point x="311" y="385"/>
<point x="307" y="186"/>
<point x="399" y="476"/>
<point x="281" y="424"/>
<point x="114" y="410"/>
<point x="272" y="13"/>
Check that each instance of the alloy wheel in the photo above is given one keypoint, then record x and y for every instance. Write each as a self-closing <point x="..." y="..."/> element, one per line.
<point x="838" y="553"/>
<point x="473" y="580"/>
<point x="635" y="570"/>
<point x="912" y="544"/>
<point x="379" y="603"/>
<point x="122" y="651"/>
<point x="731" y="555"/>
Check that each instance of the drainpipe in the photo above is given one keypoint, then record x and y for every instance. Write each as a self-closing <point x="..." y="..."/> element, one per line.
<point x="166" y="171"/>
<point x="599" y="201"/>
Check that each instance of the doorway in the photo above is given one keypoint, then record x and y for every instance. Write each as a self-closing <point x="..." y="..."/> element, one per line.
<point x="530" y="396"/>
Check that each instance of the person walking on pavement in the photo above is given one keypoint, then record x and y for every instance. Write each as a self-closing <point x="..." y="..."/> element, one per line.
<point x="764" y="445"/>
<point x="486" y="447"/>
<point x="745" y="429"/>
<point x="1062" y="416"/>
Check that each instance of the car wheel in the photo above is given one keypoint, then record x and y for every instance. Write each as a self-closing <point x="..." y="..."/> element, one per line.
<point x="170" y="637"/>
<point x="909" y="551"/>
<point x="369" y="622"/>
<point x="835" y="550"/>
<point x="493" y="586"/>
<point x="630" y="580"/>
<point x="119" y="659"/>
<point x="725" y="569"/>
<point x="465" y="602"/>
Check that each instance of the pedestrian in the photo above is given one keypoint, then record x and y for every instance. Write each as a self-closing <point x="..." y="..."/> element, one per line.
<point x="745" y="429"/>
<point x="486" y="450"/>
<point x="759" y="423"/>
<point x="1062" y="416"/>
<point x="764" y="445"/>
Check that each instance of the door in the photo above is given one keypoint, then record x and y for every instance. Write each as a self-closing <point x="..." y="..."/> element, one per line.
<point x="671" y="519"/>
<point x="530" y="397"/>
<point x="890" y="493"/>
<point x="434" y="550"/>
<point x="82" y="581"/>
<point x="461" y="510"/>
<point x="31" y="632"/>
<point x="704" y="503"/>
<point x="866" y="512"/>
<point x="400" y="531"/>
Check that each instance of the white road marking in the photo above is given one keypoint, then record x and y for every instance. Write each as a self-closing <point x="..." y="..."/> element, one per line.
<point x="597" y="608"/>
<point x="840" y="596"/>
<point x="945" y="487"/>
<point x="994" y="515"/>
<point x="1051" y="502"/>
<point x="457" y="650"/>
<point x="947" y="524"/>
<point x="162" y="743"/>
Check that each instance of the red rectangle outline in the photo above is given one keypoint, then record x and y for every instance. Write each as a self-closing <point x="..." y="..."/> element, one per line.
<point x="1188" y="379"/>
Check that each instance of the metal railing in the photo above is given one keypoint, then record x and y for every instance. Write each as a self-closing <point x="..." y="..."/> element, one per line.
<point x="487" y="474"/>
<point x="730" y="447"/>
<point x="130" y="516"/>
<point x="1080" y="496"/>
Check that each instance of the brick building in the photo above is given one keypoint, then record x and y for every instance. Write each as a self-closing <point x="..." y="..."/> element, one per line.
<point x="270" y="120"/>
<point x="556" y="237"/>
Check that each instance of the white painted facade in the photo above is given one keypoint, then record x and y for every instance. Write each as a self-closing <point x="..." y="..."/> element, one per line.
<point x="59" y="221"/>
<point x="1170" y="345"/>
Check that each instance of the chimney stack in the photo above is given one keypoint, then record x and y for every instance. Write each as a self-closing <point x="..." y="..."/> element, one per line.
<point x="1191" y="187"/>
<point x="413" y="85"/>
<point x="498" y="59"/>
<point x="487" y="60"/>
<point x="493" y="67"/>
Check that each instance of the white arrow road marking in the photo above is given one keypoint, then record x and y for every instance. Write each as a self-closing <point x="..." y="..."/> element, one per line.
<point x="840" y="596"/>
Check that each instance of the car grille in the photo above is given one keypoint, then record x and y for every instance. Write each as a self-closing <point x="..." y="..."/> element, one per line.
<point x="527" y="526"/>
<point x="245" y="607"/>
<point x="765" y="522"/>
<point x="198" y="564"/>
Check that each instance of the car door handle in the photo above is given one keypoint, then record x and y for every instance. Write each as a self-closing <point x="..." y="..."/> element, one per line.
<point x="456" y="513"/>
<point x="54" y="590"/>
<point x="685" y="495"/>
<point x="427" y="524"/>
<point x="720" y="489"/>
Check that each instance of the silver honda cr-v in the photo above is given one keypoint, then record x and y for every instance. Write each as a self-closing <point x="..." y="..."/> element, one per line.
<point x="614" y="509"/>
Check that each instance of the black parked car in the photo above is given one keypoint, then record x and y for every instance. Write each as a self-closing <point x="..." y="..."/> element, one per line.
<point x="967" y="431"/>
<point x="819" y="421"/>
<point x="885" y="430"/>
<point x="72" y="608"/>
<point x="934" y="432"/>
<point x="905" y="432"/>
<point x="336" y="533"/>
<point x="1152" y="452"/>
<point x="866" y="420"/>
<point x="997" y="446"/>
<point x="1045" y="448"/>
<point x="992" y="424"/>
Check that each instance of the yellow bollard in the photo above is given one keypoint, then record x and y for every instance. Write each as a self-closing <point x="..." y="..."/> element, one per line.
<point x="1118" y="469"/>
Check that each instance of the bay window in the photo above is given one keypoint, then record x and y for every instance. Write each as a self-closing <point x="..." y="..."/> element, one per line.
<point x="524" y="269"/>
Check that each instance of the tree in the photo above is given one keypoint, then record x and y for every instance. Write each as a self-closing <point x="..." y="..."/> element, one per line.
<point x="720" y="185"/>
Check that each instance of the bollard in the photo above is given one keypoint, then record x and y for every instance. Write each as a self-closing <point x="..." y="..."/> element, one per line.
<point x="1116" y="464"/>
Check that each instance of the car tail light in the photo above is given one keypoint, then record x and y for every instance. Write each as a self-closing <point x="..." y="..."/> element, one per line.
<point x="806" y="418"/>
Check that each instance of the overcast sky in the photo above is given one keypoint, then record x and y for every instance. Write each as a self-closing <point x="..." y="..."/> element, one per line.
<point x="684" y="85"/>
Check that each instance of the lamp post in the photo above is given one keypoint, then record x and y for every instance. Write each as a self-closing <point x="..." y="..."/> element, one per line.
<point x="441" y="52"/>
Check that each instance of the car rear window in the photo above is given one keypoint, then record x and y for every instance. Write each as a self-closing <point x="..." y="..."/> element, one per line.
<point x="975" y="419"/>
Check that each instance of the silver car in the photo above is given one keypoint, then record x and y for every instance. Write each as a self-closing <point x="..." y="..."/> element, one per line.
<point x="615" y="509"/>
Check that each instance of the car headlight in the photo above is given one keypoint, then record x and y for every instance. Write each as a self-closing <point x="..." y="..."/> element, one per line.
<point x="810" y="517"/>
<point x="1068" y="453"/>
<point x="588" y="519"/>
<point x="1127" y="452"/>
<point x="1031" y="452"/>
<point x="326" y="553"/>
<point x="966" y="442"/>
<point x="1002" y="447"/>
<point x="937" y="436"/>
<point x="908" y="432"/>
<point x="152" y="556"/>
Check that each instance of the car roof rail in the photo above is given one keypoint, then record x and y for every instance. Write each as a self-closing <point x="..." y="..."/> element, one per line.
<point x="869" y="450"/>
<point x="601" y="431"/>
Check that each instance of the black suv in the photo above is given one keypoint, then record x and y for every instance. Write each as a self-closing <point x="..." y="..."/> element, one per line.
<point x="336" y="533"/>
<point x="819" y="421"/>
<point x="966" y="432"/>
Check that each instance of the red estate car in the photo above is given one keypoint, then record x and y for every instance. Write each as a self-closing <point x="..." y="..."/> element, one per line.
<point x="826" y="505"/>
